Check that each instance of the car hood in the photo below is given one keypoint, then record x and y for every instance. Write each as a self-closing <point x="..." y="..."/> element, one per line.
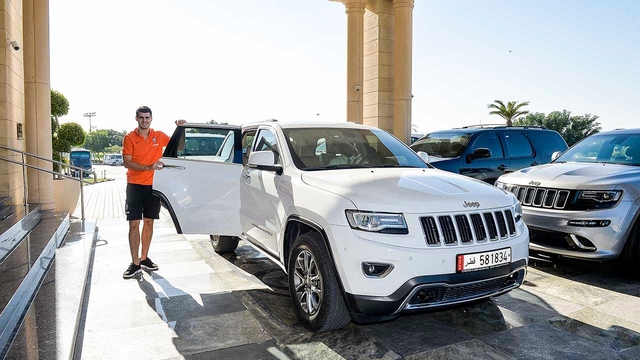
<point x="574" y="176"/>
<point x="408" y="190"/>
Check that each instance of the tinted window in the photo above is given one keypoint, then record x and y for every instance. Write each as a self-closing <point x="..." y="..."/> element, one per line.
<point x="490" y="141"/>
<point x="447" y="144"/>
<point x="547" y="142"/>
<point x="519" y="145"/>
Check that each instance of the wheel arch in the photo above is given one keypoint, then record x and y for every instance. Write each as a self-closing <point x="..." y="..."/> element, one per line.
<point x="297" y="225"/>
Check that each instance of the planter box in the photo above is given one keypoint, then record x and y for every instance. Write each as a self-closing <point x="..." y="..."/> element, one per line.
<point x="66" y="193"/>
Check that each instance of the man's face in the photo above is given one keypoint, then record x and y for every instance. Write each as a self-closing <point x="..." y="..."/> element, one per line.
<point x="144" y="120"/>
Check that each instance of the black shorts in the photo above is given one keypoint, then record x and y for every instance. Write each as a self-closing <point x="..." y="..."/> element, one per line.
<point x="141" y="202"/>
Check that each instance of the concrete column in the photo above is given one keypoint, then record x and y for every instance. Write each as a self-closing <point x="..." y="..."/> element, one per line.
<point x="38" y="99"/>
<point x="355" y="44"/>
<point x="402" y="53"/>
<point x="378" y="64"/>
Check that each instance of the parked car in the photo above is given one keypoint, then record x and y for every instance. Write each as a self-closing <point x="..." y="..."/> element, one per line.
<point x="364" y="228"/>
<point x="112" y="159"/>
<point x="488" y="152"/>
<point x="81" y="158"/>
<point x="585" y="204"/>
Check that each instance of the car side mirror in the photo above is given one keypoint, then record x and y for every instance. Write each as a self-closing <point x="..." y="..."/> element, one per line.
<point x="264" y="160"/>
<point x="555" y="155"/>
<point x="424" y="156"/>
<point x="479" y="153"/>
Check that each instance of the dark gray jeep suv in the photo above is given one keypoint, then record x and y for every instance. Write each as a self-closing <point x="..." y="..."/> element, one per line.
<point x="487" y="152"/>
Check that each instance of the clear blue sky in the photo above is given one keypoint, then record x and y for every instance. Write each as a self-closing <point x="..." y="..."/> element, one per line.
<point x="245" y="61"/>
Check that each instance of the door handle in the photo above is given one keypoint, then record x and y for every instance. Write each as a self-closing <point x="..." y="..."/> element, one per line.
<point x="502" y="167"/>
<point x="246" y="176"/>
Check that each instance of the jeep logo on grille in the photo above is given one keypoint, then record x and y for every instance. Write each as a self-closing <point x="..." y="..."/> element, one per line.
<point x="472" y="204"/>
<point x="534" y="183"/>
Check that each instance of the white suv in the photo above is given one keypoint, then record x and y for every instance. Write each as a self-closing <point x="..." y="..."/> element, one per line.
<point x="363" y="227"/>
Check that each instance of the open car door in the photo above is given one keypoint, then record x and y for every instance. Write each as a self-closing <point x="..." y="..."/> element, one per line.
<point x="200" y="183"/>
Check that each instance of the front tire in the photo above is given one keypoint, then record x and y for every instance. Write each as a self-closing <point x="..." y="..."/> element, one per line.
<point x="223" y="244"/>
<point x="313" y="286"/>
<point x="627" y="262"/>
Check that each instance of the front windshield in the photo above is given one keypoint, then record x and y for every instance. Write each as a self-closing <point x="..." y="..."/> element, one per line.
<point x="340" y="148"/>
<point x="444" y="145"/>
<point x="606" y="148"/>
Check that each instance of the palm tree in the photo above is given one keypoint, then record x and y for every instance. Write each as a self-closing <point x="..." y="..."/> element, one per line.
<point x="510" y="112"/>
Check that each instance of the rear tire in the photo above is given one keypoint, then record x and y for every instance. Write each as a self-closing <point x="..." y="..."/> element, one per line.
<point x="223" y="244"/>
<point x="627" y="262"/>
<point x="313" y="286"/>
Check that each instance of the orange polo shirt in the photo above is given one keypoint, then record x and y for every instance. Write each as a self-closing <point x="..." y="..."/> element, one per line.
<point x="144" y="151"/>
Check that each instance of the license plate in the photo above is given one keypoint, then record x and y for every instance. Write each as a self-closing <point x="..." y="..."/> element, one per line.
<point x="483" y="260"/>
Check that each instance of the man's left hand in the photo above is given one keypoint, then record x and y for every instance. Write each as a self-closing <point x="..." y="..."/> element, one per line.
<point x="180" y="122"/>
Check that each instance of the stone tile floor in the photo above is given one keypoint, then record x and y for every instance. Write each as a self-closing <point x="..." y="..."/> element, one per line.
<point x="200" y="305"/>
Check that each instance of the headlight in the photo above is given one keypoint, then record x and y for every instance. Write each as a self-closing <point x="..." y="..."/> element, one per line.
<point x="499" y="185"/>
<point x="600" y="196"/>
<point x="377" y="222"/>
<point x="518" y="211"/>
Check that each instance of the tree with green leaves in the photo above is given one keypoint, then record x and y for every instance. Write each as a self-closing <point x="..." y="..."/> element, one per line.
<point x="97" y="141"/>
<point x="572" y="128"/>
<point x="59" y="108"/>
<point x="509" y="112"/>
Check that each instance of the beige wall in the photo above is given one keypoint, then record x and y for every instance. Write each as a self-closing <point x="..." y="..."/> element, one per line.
<point x="11" y="97"/>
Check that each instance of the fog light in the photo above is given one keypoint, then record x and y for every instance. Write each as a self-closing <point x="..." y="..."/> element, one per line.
<point x="589" y="223"/>
<point x="376" y="270"/>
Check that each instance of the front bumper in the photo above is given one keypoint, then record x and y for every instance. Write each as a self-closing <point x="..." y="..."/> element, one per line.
<point x="551" y="232"/>
<point x="415" y="269"/>
<point x="447" y="290"/>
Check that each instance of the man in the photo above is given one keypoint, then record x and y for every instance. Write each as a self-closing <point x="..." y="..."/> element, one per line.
<point x="142" y="150"/>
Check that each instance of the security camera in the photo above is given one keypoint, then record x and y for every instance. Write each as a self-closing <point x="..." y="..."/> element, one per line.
<point x="15" y="45"/>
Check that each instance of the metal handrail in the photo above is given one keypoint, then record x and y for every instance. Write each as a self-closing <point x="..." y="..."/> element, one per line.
<point x="24" y="173"/>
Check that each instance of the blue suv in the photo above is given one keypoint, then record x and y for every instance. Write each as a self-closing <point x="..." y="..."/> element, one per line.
<point x="487" y="152"/>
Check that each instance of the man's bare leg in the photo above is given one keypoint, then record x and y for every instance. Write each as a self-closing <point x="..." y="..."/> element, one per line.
<point x="134" y="240"/>
<point x="147" y="234"/>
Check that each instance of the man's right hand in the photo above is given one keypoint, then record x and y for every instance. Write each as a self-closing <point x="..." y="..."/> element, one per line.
<point x="180" y="122"/>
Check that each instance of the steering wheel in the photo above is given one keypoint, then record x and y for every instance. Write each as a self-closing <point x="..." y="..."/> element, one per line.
<point x="368" y="158"/>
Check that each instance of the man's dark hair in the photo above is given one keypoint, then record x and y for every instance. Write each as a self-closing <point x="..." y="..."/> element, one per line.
<point x="143" y="109"/>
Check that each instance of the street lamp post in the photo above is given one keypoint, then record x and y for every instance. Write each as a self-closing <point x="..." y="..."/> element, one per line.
<point x="89" y="115"/>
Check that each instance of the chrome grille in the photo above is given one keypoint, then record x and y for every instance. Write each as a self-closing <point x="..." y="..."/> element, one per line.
<point x="464" y="228"/>
<point x="491" y="224"/>
<point x="430" y="230"/>
<point x="540" y="197"/>
<point x="449" y="232"/>
<point x="478" y="227"/>
<point x="502" y="225"/>
<point x="510" y="222"/>
<point x="459" y="229"/>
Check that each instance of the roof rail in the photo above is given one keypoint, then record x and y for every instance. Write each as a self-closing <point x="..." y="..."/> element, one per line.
<point x="502" y="126"/>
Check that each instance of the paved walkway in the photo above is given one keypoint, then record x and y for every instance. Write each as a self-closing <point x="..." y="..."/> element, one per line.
<point x="201" y="305"/>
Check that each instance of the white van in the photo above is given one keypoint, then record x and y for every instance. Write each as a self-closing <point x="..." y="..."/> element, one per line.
<point x="112" y="159"/>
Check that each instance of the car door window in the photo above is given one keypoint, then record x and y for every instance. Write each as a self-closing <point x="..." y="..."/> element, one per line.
<point x="201" y="143"/>
<point x="247" y="141"/>
<point x="490" y="141"/>
<point x="225" y="153"/>
<point x="519" y="145"/>
<point x="266" y="141"/>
